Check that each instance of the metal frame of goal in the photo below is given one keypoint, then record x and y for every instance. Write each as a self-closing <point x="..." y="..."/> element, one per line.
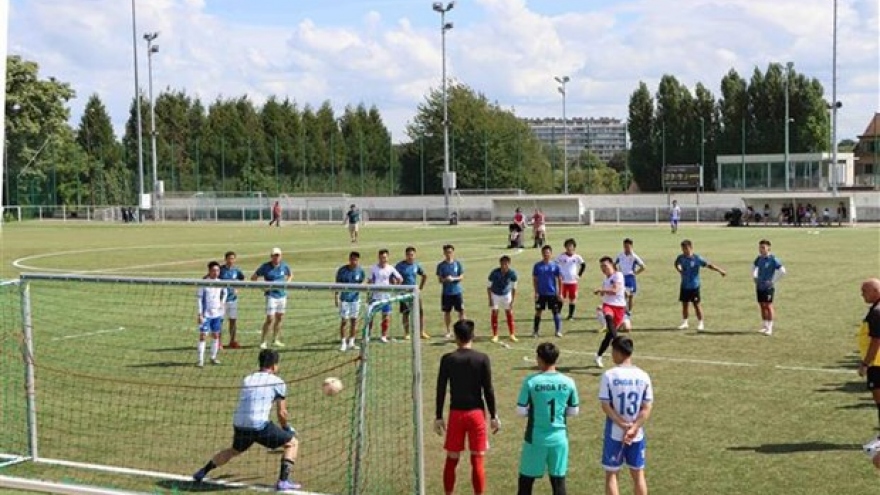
<point x="24" y="408"/>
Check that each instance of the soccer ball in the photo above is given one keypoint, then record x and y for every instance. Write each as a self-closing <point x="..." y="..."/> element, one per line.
<point x="872" y="448"/>
<point x="332" y="386"/>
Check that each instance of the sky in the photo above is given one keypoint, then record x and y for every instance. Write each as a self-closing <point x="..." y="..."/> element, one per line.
<point x="387" y="53"/>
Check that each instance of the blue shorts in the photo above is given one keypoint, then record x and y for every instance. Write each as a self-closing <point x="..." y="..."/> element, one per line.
<point x="385" y="309"/>
<point x="615" y="454"/>
<point x="213" y="325"/>
<point x="629" y="283"/>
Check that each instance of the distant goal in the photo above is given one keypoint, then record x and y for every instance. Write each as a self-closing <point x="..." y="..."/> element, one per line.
<point x="557" y="209"/>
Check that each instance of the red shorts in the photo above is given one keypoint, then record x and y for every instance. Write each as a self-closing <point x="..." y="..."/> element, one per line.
<point x="570" y="291"/>
<point x="470" y="423"/>
<point x="618" y="314"/>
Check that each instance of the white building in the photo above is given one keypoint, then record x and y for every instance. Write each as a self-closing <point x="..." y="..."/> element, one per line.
<point x="605" y="137"/>
<point x="806" y="172"/>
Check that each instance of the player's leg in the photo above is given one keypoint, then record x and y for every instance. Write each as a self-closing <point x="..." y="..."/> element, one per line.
<point x="526" y="484"/>
<point x="288" y="461"/>
<point x="404" y="317"/>
<point x="343" y="321"/>
<point x="684" y="297"/>
<point x="203" y="335"/>
<point x="478" y="444"/>
<point x="634" y="457"/>
<point x="422" y="331"/>
<point x="507" y="306"/>
<point x="640" y="484"/>
<point x="493" y="318"/>
<point x="556" y="309"/>
<point x="215" y="326"/>
<point x="612" y="460"/>
<point x="539" y="311"/>
<point x="280" y="308"/>
<point x="570" y="292"/>
<point x="232" y="315"/>
<point x="446" y="308"/>
<point x="454" y="445"/>
<point x="557" y="467"/>
<point x="698" y="310"/>
<point x="611" y="332"/>
<point x="532" y="463"/>
<point x="458" y="306"/>
<point x="873" y="380"/>
<point x="771" y="313"/>
<point x="386" y="321"/>
<point x="241" y="441"/>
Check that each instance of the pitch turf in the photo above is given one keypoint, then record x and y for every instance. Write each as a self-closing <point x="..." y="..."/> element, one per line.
<point x="735" y="412"/>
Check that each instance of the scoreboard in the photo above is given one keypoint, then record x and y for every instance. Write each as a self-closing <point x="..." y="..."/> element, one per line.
<point x="683" y="177"/>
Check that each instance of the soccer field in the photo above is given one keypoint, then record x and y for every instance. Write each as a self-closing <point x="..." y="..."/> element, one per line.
<point x="735" y="412"/>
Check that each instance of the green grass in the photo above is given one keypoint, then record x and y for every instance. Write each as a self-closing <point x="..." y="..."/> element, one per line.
<point x="735" y="412"/>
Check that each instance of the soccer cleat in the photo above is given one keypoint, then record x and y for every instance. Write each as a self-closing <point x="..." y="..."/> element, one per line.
<point x="287" y="486"/>
<point x="199" y="475"/>
<point x="494" y="339"/>
<point x="234" y="345"/>
<point x="683" y="326"/>
<point x="264" y="345"/>
<point x="353" y="347"/>
<point x="570" y="317"/>
<point x="278" y="343"/>
<point x="513" y="338"/>
<point x="558" y="335"/>
<point x="406" y="336"/>
<point x="343" y="347"/>
<point x="448" y="336"/>
<point x="384" y="339"/>
<point x="598" y="361"/>
<point x="700" y="327"/>
<point x="767" y="332"/>
<point x="425" y="336"/>
<point x="200" y="364"/>
<point x="535" y="335"/>
<point x="215" y="361"/>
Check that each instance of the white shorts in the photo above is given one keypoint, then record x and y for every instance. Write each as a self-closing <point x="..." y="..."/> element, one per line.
<point x="349" y="309"/>
<point x="275" y="305"/>
<point x="232" y="310"/>
<point x="502" y="301"/>
<point x="352" y="227"/>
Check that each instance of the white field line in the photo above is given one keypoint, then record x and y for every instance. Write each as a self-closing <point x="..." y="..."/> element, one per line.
<point x="88" y="334"/>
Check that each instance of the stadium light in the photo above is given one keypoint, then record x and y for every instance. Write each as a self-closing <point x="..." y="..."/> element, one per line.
<point x="137" y="105"/>
<point x="448" y="182"/>
<point x="836" y="105"/>
<point x="563" y="80"/>
<point x="151" y="50"/>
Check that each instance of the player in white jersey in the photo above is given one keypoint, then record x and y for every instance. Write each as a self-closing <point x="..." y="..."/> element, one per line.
<point x="627" y="397"/>
<point x="572" y="266"/>
<point x="674" y="216"/>
<point x="630" y="265"/>
<point x="383" y="274"/>
<point x="212" y="305"/>
<point x="613" y="304"/>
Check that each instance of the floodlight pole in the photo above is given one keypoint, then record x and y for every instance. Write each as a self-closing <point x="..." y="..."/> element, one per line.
<point x="137" y="105"/>
<point x="834" y="105"/>
<point x="787" y="82"/>
<point x="447" y="176"/>
<point x="152" y="49"/>
<point x="563" y="80"/>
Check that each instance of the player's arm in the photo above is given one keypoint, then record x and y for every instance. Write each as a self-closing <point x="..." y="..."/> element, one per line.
<point x="778" y="274"/>
<point x="641" y="419"/>
<point x="677" y="265"/>
<point x="200" y="304"/>
<point x="489" y="395"/>
<point x="489" y="291"/>
<point x="524" y="401"/>
<point x="640" y="266"/>
<point x="442" y="381"/>
<point x="573" y="406"/>
<point x="716" y="268"/>
<point x="559" y="285"/>
<point x="423" y="277"/>
<point x="257" y="274"/>
<point x="873" y="321"/>
<point x="616" y="418"/>
<point x="582" y="269"/>
<point x="288" y="275"/>
<point x="281" y="412"/>
<point x="512" y="292"/>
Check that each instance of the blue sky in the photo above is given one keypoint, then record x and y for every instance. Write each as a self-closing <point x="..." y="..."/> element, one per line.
<point x="387" y="52"/>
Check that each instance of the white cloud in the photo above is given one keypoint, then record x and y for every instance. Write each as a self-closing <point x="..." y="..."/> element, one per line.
<point x="389" y="54"/>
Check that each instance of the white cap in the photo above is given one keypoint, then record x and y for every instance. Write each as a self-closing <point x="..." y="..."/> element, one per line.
<point x="276" y="251"/>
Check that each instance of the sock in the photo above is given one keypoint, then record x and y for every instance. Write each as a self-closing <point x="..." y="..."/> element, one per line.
<point x="215" y="348"/>
<point x="478" y="474"/>
<point x="536" y="325"/>
<point x="449" y="474"/>
<point x="571" y="310"/>
<point x="769" y="325"/>
<point x="384" y="328"/>
<point x="351" y="341"/>
<point x="494" y="318"/>
<point x="606" y="341"/>
<point x="509" y="315"/>
<point x="557" y="484"/>
<point x="201" y="351"/>
<point x="286" y="469"/>
<point x="557" y="322"/>
<point x="209" y="466"/>
<point x="525" y="485"/>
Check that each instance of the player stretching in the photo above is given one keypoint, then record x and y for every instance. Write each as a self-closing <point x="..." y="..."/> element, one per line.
<point x="251" y="423"/>
<point x="353" y="219"/>
<point x="273" y="270"/>
<point x="450" y="272"/>
<point x="572" y="266"/>
<point x="766" y="272"/>
<point x="630" y="264"/>
<point x="468" y="374"/>
<point x="212" y="302"/>
<point x="627" y="397"/>
<point x="383" y="275"/>
<point x="613" y="304"/>
<point x="547" y="399"/>
<point x="231" y="272"/>
<point x="547" y="283"/>
<point x="501" y="290"/>
<point x="674" y="216"/>
<point x="688" y="265"/>
<point x="349" y="302"/>
<point x="413" y="274"/>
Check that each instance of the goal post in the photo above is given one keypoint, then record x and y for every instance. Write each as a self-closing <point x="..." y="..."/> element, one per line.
<point x="107" y="380"/>
<point x="558" y="209"/>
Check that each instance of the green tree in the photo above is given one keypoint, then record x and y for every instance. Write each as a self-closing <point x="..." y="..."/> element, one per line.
<point x="644" y="162"/>
<point x="109" y="182"/>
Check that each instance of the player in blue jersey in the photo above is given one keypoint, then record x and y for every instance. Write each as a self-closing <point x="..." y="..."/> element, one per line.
<point x="502" y="293"/>
<point x="211" y="304"/>
<point x="413" y="274"/>
<point x="674" y="216"/>
<point x="766" y="271"/>
<point x="274" y="270"/>
<point x="688" y="265"/>
<point x="547" y="399"/>
<point x="450" y="272"/>
<point x="547" y="283"/>
<point x="231" y="272"/>
<point x="627" y="397"/>
<point x="353" y="220"/>
<point x="251" y="424"/>
<point x="349" y="302"/>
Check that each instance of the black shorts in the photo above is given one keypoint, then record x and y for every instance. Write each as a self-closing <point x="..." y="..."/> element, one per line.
<point x="765" y="295"/>
<point x="271" y="437"/>
<point x="873" y="377"/>
<point x="448" y="302"/>
<point x="406" y="306"/>
<point x="689" y="295"/>
<point x="548" y="302"/>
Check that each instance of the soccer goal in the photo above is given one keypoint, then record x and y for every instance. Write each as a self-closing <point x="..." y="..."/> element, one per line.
<point x="558" y="209"/>
<point x="99" y="373"/>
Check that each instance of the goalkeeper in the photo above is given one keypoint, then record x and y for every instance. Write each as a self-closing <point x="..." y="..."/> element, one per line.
<point x="251" y="423"/>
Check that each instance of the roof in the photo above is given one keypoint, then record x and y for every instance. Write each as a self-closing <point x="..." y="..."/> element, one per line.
<point x="873" y="129"/>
